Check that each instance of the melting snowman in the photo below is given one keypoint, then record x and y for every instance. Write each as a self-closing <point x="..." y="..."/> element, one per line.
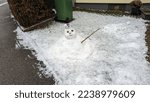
<point x="69" y="47"/>
<point x="70" y="32"/>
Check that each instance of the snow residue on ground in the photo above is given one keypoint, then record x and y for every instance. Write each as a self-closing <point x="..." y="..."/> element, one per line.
<point x="113" y="55"/>
<point x="70" y="49"/>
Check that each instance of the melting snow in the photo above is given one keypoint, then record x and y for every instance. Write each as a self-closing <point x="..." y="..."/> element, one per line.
<point x="113" y="55"/>
<point x="71" y="49"/>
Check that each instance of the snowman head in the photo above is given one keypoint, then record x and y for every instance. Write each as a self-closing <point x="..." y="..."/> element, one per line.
<point x="70" y="33"/>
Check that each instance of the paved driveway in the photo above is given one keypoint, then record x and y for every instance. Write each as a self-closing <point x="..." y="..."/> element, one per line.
<point x="2" y="1"/>
<point x="15" y="66"/>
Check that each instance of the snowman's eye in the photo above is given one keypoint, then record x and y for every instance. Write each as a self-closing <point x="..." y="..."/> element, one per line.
<point x="67" y="31"/>
<point x="72" y="30"/>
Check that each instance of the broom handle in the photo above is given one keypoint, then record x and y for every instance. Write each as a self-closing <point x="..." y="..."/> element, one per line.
<point x="90" y="35"/>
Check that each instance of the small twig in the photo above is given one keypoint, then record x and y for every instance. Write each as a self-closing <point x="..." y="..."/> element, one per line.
<point x="90" y="35"/>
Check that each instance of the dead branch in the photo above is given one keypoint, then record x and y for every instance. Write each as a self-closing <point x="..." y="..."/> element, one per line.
<point x="90" y="35"/>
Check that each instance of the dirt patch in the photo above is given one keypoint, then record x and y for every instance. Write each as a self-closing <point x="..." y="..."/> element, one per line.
<point x="148" y="41"/>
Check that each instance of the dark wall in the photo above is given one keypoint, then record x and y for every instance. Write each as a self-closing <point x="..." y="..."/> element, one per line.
<point x="101" y="6"/>
<point x="92" y="6"/>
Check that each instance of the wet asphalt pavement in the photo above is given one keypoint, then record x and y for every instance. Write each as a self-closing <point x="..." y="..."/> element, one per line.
<point x="2" y="1"/>
<point x="15" y="66"/>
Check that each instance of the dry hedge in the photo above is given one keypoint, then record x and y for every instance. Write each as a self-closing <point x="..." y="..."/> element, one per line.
<point x="30" y="12"/>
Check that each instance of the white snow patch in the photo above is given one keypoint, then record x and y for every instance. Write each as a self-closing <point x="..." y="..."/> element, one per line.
<point x="71" y="49"/>
<point x="113" y="55"/>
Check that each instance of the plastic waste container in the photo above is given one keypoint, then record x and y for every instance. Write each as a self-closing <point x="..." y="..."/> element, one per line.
<point x="64" y="10"/>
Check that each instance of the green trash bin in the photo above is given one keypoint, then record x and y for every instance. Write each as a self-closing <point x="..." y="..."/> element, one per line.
<point x="64" y="10"/>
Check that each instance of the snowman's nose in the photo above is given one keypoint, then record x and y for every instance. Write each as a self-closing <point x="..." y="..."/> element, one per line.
<point x="70" y="34"/>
